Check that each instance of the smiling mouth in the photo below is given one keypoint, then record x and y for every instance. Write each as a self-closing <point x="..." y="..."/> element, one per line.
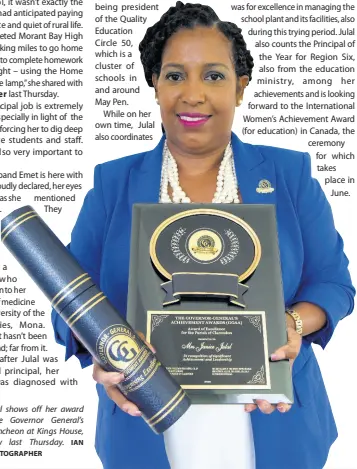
<point x="193" y="119"/>
<point x="191" y="116"/>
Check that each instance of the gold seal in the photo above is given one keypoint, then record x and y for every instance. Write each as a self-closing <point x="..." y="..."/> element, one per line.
<point x="204" y="245"/>
<point x="117" y="345"/>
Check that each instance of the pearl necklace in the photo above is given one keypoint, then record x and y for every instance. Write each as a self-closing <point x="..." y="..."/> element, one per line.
<point x="227" y="185"/>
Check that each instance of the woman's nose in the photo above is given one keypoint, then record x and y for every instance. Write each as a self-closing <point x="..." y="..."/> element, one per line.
<point x="193" y="92"/>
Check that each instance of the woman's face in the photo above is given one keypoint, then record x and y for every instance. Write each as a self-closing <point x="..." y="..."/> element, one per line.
<point x="198" y="90"/>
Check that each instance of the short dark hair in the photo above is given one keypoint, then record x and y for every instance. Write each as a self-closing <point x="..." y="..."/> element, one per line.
<point x="188" y="16"/>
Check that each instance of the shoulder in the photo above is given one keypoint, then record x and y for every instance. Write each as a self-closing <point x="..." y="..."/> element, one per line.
<point x="280" y="159"/>
<point x="113" y="175"/>
<point x="291" y="167"/>
<point x="111" y="179"/>
<point x="118" y="169"/>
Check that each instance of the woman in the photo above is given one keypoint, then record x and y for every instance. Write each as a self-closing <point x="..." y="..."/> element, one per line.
<point x="199" y="68"/>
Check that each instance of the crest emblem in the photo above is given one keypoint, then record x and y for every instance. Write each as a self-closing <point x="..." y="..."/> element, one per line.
<point x="117" y="346"/>
<point x="264" y="187"/>
<point x="204" y="245"/>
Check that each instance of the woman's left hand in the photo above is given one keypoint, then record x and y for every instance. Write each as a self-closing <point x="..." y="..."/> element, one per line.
<point x="288" y="351"/>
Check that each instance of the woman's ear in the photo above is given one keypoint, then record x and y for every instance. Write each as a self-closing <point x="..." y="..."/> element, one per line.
<point x="242" y="83"/>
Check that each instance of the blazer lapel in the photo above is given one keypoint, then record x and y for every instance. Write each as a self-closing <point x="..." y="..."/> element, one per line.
<point x="252" y="170"/>
<point x="144" y="180"/>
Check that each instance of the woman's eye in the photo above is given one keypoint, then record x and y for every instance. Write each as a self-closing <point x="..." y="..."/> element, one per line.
<point x="215" y="76"/>
<point x="173" y="76"/>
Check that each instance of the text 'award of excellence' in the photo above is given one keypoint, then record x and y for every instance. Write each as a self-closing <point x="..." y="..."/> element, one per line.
<point x="205" y="284"/>
<point x="92" y="318"/>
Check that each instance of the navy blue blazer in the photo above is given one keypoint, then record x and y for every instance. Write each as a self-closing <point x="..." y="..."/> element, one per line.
<point x="314" y="269"/>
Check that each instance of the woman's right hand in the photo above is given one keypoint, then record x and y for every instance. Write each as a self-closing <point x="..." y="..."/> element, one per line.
<point x="110" y="380"/>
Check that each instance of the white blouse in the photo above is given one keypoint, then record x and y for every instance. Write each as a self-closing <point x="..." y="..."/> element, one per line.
<point x="211" y="437"/>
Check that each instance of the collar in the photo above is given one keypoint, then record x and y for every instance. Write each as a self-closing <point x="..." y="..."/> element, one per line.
<point x="250" y="164"/>
<point x="245" y="155"/>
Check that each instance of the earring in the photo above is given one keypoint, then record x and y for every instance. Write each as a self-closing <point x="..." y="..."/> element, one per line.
<point x="239" y="102"/>
<point x="157" y="101"/>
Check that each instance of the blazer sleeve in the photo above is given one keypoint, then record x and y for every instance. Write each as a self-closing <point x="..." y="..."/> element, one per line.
<point x="325" y="280"/>
<point x="86" y="246"/>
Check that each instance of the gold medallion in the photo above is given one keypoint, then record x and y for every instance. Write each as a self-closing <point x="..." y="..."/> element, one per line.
<point x="204" y="245"/>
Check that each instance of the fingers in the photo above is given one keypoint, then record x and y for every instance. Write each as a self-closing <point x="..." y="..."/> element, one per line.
<point x="107" y="378"/>
<point x="143" y="338"/>
<point x="110" y="380"/>
<point x="267" y="408"/>
<point x="122" y="402"/>
<point x="249" y="407"/>
<point x="291" y="349"/>
<point x="282" y="407"/>
<point x="264" y="406"/>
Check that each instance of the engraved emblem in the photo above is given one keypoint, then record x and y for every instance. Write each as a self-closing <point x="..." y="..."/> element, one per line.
<point x="117" y="345"/>
<point x="204" y="245"/>
<point x="264" y="187"/>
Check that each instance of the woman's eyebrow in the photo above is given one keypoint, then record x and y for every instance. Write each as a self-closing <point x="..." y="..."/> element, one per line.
<point x="171" y="64"/>
<point x="216" y="64"/>
<point x="211" y="64"/>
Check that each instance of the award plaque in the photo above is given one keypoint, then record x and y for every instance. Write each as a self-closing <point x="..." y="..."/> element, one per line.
<point x="205" y="286"/>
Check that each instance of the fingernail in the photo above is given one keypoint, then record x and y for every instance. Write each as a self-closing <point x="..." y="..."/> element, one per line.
<point x="259" y="402"/>
<point x="274" y="356"/>
<point x="137" y="413"/>
<point x="281" y="409"/>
